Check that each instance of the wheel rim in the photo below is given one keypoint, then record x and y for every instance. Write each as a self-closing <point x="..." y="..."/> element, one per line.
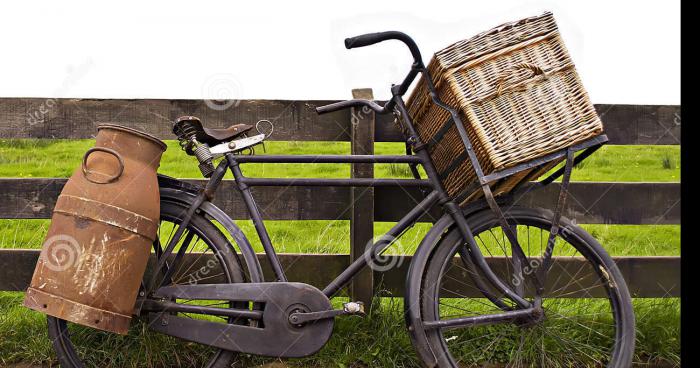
<point x="572" y="332"/>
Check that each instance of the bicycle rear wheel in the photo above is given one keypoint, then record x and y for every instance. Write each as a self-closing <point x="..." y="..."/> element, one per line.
<point x="214" y="261"/>
<point x="587" y="318"/>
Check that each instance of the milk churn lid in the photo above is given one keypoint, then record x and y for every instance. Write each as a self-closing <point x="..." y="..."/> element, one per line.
<point x="134" y="131"/>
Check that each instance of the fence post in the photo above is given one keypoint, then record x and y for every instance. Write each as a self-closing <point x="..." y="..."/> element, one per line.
<point x="362" y="199"/>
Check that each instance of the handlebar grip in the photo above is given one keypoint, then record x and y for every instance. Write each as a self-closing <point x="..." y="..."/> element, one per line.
<point x="372" y="38"/>
<point x="367" y="39"/>
<point x="331" y="107"/>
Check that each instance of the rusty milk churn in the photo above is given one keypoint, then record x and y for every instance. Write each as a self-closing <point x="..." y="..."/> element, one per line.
<point x="101" y="233"/>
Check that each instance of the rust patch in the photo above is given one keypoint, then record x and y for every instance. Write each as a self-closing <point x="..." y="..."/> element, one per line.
<point x="81" y="223"/>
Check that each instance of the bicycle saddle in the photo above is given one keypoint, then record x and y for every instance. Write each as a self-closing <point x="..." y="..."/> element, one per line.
<point x="186" y="126"/>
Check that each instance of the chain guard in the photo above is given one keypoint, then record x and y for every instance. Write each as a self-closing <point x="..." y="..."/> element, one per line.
<point x="275" y="336"/>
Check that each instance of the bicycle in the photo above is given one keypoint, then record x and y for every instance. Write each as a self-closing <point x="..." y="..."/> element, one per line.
<point x="478" y="287"/>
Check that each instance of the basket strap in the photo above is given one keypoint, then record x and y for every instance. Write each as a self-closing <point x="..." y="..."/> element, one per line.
<point x="453" y="165"/>
<point x="443" y="130"/>
<point x="468" y="190"/>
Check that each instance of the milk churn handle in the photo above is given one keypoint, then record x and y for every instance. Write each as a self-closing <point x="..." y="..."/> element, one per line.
<point x="114" y="153"/>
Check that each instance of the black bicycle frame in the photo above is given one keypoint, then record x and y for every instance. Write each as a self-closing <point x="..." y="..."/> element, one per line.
<point x="435" y="192"/>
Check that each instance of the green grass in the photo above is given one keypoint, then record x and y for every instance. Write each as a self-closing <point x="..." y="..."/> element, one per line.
<point x="332" y="237"/>
<point x="380" y="339"/>
<point x="57" y="158"/>
<point x="23" y="333"/>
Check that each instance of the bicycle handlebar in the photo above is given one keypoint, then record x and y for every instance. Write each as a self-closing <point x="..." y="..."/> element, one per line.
<point x="371" y="39"/>
<point x="351" y="103"/>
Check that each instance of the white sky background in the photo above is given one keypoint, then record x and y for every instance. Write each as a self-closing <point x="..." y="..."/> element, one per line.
<point x="625" y="51"/>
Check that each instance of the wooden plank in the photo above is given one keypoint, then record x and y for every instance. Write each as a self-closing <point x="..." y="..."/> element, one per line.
<point x="657" y="277"/>
<point x="641" y="124"/>
<point x="362" y="199"/>
<point x="35" y="198"/>
<point x="294" y="120"/>
<point x="17" y="267"/>
<point x="78" y="118"/>
<point x="614" y="203"/>
<point x="646" y="277"/>
<point x="590" y="202"/>
<point x="624" y="124"/>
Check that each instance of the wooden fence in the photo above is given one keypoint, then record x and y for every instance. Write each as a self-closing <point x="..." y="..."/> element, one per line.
<point x="593" y="202"/>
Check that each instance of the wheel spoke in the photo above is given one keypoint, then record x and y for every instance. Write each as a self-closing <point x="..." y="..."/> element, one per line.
<point x="192" y="264"/>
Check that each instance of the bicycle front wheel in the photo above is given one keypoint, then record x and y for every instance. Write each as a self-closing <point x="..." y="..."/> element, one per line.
<point x="586" y="317"/>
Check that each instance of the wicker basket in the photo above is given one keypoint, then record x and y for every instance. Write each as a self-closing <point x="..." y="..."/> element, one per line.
<point x="519" y="97"/>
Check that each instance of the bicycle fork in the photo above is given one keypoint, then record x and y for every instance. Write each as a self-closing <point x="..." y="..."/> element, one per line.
<point x="525" y="309"/>
<point x="474" y="259"/>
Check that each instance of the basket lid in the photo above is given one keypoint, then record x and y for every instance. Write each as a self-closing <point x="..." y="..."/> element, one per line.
<point x="507" y="34"/>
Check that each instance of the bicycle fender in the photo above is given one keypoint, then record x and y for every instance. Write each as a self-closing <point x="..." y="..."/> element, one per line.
<point x="182" y="192"/>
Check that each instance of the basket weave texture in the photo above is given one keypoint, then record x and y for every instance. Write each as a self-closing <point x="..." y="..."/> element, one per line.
<point x="518" y="95"/>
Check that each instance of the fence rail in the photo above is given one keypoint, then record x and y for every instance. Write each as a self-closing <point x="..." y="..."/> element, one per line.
<point x="294" y="120"/>
<point x="592" y="202"/>
<point x="646" y="277"/>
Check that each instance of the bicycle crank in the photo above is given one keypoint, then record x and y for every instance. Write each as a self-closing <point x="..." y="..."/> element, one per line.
<point x="266" y="329"/>
<point x="352" y="308"/>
